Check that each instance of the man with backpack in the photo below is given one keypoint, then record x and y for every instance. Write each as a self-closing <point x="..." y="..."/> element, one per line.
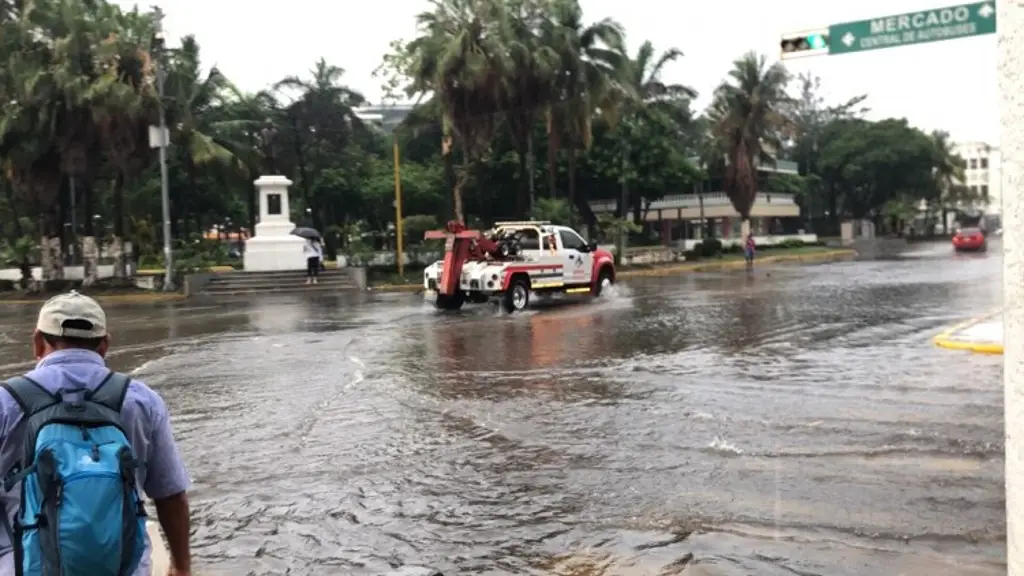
<point x="79" y="444"/>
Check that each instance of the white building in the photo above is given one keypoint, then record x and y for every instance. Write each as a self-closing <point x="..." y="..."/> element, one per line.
<point x="982" y="174"/>
<point x="386" y="117"/>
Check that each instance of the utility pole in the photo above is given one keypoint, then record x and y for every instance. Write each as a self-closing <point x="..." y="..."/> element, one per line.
<point x="698" y="188"/>
<point x="1010" y="70"/>
<point x="620" y="248"/>
<point x="165" y="195"/>
<point x="74" y="221"/>
<point x="399" y="233"/>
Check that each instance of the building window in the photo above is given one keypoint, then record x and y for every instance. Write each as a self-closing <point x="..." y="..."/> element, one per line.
<point x="984" y="163"/>
<point x="974" y="163"/>
<point x="974" y="190"/>
<point x="984" y="192"/>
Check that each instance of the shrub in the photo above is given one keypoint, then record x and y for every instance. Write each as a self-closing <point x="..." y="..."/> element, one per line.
<point x="710" y="247"/>
<point x="791" y="243"/>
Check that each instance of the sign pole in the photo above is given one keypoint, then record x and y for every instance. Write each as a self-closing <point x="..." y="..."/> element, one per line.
<point x="1010" y="63"/>
<point x="399" y="234"/>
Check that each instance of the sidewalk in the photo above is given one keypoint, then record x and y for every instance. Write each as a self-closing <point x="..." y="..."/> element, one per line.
<point x="983" y="335"/>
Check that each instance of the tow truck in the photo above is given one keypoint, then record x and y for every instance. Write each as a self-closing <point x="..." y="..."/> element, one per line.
<point x="511" y="261"/>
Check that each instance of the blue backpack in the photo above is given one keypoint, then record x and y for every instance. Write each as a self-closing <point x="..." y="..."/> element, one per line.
<point x="80" y="513"/>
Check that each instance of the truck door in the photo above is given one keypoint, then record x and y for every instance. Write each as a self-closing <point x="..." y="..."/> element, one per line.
<point x="577" y="259"/>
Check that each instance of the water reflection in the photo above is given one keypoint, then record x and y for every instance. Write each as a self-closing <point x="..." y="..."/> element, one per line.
<point x="502" y="355"/>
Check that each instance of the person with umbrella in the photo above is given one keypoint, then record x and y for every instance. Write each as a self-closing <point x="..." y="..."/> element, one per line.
<point x="313" y="251"/>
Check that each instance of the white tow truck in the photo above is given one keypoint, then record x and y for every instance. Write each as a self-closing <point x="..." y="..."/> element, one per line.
<point x="513" y="260"/>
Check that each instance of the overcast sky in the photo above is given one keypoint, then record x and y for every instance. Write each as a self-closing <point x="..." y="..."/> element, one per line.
<point x="947" y="85"/>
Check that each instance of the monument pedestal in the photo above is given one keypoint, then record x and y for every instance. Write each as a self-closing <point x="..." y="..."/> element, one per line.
<point x="273" y="247"/>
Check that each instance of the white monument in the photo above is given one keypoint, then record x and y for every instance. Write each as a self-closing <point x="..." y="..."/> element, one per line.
<point x="273" y="247"/>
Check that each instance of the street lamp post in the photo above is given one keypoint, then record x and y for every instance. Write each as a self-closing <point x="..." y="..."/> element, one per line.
<point x="620" y="249"/>
<point x="165" y="196"/>
<point x="74" y="221"/>
<point x="399" y="234"/>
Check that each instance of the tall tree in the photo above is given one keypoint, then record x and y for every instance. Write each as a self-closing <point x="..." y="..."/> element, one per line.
<point x="950" y="192"/>
<point x="323" y="111"/>
<point x="197" y="138"/>
<point x="460" y="57"/>
<point x="748" y="115"/>
<point x="593" y="66"/>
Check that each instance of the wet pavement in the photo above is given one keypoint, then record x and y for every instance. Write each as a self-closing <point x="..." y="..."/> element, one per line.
<point x="794" y="421"/>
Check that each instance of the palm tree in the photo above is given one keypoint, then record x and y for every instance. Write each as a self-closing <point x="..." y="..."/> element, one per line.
<point x="325" y="109"/>
<point x="125" y="104"/>
<point x="530" y="85"/>
<point x="461" y="59"/>
<point x="949" y="177"/>
<point x="80" y="28"/>
<point x="198" y="140"/>
<point x="28" y="138"/>
<point x="747" y="114"/>
<point x="593" y="67"/>
<point x="243" y="116"/>
<point x="645" y="95"/>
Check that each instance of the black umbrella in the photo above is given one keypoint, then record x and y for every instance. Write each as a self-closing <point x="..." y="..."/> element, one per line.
<point x="308" y="233"/>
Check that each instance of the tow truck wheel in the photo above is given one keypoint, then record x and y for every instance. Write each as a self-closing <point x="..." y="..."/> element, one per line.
<point x="517" y="297"/>
<point x="450" y="301"/>
<point x="604" y="280"/>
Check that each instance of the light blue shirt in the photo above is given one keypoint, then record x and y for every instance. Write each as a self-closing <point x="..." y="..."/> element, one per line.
<point x="144" y="417"/>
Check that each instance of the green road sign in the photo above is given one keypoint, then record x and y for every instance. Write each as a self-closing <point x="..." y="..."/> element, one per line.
<point x="946" y="23"/>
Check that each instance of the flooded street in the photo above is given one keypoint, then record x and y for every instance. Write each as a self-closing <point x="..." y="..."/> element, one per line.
<point x="794" y="421"/>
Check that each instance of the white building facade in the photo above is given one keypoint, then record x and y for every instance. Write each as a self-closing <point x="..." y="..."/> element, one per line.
<point x="982" y="174"/>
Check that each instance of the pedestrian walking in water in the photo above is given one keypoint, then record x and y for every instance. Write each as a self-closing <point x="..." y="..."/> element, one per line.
<point x="749" y="246"/>
<point x="78" y="445"/>
<point x="314" y="253"/>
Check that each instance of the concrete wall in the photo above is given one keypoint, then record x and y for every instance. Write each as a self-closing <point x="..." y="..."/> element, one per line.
<point x="427" y="258"/>
<point x="760" y="240"/>
<point x="1010" y="75"/>
<point x="195" y="283"/>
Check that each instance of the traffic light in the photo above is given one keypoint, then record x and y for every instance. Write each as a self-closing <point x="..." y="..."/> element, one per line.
<point x="803" y="44"/>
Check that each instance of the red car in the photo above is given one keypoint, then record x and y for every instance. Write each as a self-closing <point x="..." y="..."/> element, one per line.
<point x="969" y="239"/>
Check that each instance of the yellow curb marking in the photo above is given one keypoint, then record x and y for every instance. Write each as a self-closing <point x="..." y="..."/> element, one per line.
<point x="948" y="338"/>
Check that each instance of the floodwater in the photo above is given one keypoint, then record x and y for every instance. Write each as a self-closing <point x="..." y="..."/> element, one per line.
<point x="796" y="420"/>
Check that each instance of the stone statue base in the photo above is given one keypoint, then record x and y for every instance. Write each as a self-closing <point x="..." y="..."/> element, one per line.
<point x="273" y="247"/>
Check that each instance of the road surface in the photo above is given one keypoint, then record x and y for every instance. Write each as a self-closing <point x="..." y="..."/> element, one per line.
<point x="794" y="421"/>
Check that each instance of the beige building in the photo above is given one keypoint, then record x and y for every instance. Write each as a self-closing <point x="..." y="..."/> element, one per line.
<point x="677" y="217"/>
<point x="982" y="174"/>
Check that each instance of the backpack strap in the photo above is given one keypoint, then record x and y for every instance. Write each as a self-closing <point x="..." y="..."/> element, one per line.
<point x="29" y="394"/>
<point x="111" y="392"/>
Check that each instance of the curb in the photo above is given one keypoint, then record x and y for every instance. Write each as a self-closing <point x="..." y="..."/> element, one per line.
<point x="396" y="288"/>
<point x="734" y="264"/>
<point x="675" y="269"/>
<point x="947" y="338"/>
<point x="111" y="299"/>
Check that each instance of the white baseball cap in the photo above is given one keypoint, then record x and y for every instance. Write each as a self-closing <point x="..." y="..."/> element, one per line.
<point x="72" y="306"/>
